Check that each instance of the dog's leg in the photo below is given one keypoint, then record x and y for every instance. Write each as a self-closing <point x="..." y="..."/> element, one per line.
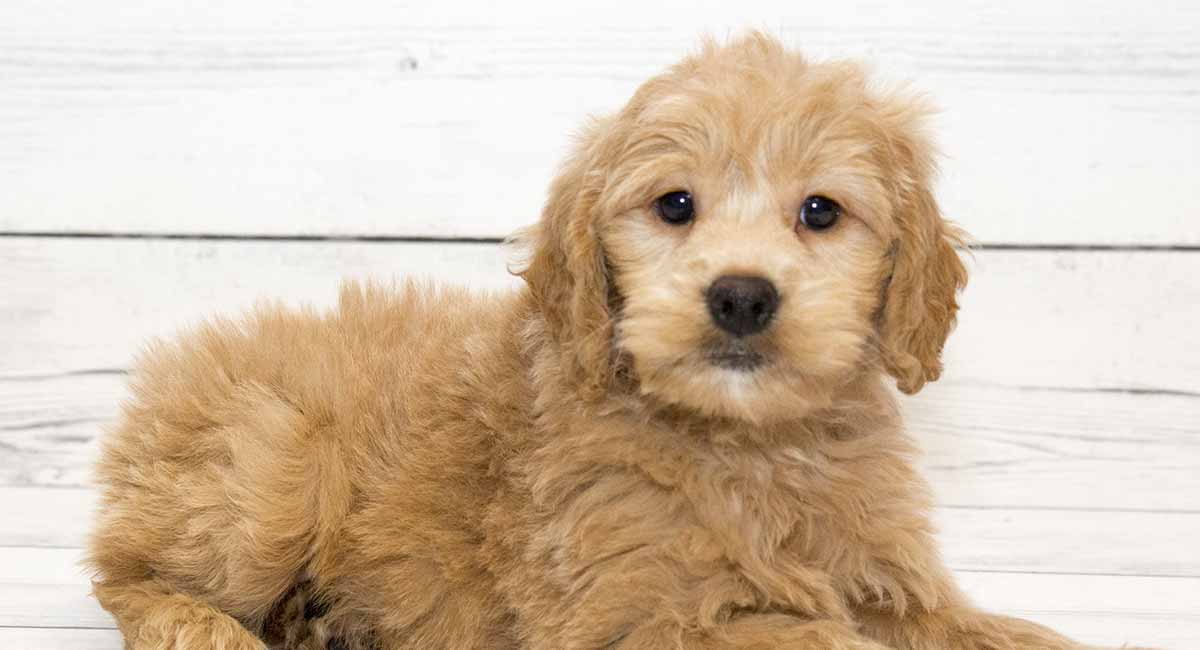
<point x="964" y="628"/>
<point x="758" y="631"/>
<point x="153" y="616"/>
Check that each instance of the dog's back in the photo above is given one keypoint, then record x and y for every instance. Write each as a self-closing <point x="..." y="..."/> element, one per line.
<point x="248" y="447"/>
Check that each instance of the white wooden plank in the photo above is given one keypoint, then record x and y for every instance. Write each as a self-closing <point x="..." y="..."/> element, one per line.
<point x="1055" y="541"/>
<point x="1006" y="447"/>
<point x="24" y="605"/>
<point x="1092" y="319"/>
<point x="45" y="517"/>
<point x="52" y="454"/>
<point x="32" y="565"/>
<point x="975" y="539"/>
<point x="49" y="427"/>
<point x="984" y="445"/>
<point x="1104" y="610"/>
<point x="32" y="638"/>
<point x="1062" y="119"/>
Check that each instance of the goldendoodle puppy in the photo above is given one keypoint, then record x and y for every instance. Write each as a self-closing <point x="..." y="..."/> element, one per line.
<point x="676" y="434"/>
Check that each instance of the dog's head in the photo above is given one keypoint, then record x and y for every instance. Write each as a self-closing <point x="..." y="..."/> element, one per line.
<point x="748" y="234"/>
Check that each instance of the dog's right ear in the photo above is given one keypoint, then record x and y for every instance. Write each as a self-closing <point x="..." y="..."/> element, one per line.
<point x="566" y="271"/>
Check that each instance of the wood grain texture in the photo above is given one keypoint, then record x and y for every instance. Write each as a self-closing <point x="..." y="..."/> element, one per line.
<point x="73" y="606"/>
<point x="1063" y="121"/>
<point x="1104" y="610"/>
<point x="45" y="517"/>
<point x="31" y="565"/>
<point x="989" y="446"/>
<point x="1158" y="544"/>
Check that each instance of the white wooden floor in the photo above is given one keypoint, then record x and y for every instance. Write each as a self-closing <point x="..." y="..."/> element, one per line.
<point x="164" y="161"/>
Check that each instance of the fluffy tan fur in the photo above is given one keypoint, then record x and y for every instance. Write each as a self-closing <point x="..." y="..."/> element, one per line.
<point x="562" y="466"/>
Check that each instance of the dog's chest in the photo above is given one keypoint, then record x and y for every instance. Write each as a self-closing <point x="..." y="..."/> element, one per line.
<point x="694" y="524"/>
<point x="796" y="516"/>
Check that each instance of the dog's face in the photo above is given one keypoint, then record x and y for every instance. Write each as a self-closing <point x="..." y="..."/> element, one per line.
<point x="749" y="235"/>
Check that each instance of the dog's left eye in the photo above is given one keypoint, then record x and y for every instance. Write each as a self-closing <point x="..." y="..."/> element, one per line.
<point x="676" y="208"/>
<point x="819" y="212"/>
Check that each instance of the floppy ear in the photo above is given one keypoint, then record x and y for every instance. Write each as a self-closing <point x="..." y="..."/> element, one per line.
<point x="920" y="300"/>
<point x="566" y="272"/>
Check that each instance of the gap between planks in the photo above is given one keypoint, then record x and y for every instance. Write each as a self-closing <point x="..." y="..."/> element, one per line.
<point x="458" y="239"/>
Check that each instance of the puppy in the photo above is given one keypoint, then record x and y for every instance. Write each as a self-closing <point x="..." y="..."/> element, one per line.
<point x="676" y="434"/>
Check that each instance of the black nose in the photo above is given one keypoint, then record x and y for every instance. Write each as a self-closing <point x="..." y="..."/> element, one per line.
<point x="742" y="305"/>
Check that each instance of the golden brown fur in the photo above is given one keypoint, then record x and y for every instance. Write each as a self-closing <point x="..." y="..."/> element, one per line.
<point x="560" y="467"/>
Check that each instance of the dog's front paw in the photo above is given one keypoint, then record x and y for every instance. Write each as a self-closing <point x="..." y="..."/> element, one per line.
<point x="186" y="628"/>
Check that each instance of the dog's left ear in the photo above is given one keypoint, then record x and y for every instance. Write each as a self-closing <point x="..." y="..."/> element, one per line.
<point x="920" y="301"/>
<point x="566" y="272"/>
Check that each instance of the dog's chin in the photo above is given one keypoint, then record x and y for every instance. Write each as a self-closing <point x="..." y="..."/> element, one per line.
<point x="736" y="356"/>
<point x="733" y="382"/>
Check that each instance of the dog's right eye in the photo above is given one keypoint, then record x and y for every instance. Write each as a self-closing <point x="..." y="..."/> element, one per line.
<point x="676" y="208"/>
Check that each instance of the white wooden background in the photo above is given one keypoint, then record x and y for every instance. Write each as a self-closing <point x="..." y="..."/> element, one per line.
<point x="163" y="161"/>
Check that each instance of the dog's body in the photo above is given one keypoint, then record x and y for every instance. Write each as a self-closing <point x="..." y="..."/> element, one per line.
<point x="560" y="467"/>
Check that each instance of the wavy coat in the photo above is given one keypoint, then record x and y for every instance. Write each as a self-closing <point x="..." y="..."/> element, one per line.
<point x="561" y="466"/>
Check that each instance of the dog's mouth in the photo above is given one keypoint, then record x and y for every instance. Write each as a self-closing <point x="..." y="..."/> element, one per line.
<point x="735" y="355"/>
